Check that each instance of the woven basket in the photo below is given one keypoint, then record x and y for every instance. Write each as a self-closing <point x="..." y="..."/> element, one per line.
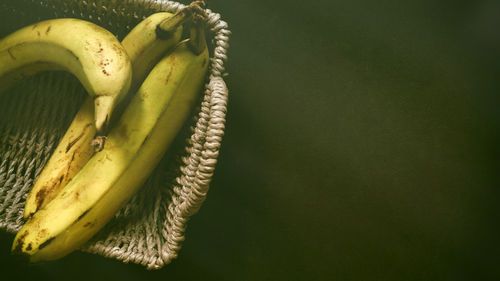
<point x="149" y="230"/>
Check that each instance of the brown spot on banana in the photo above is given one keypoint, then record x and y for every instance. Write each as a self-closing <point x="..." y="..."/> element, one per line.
<point x="70" y="197"/>
<point x="48" y="189"/>
<point x="42" y="193"/>
<point x="102" y="95"/>
<point x="108" y="158"/>
<point x="69" y="164"/>
<point x="89" y="224"/>
<point x="145" y="139"/>
<point x="42" y="233"/>
<point x="122" y="130"/>
<point x="9" y="50"/>
<point x="147" y="22"/>
<point x="48" y="30"/>
<point x="106" y="120"/>
<point x="46" y="243"/>
<point x="170" y="73"/>
<point x="81" y="216"/>
<point x="118" y="49"/>
<point x="73" y="142"/>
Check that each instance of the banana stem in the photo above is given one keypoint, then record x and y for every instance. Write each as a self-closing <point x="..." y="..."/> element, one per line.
<point x="193" y="11"/>
<point x="197" y="42"/>
<point x="166" y="28"/>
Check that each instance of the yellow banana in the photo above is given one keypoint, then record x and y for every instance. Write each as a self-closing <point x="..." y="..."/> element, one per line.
<point x="89" y="52"/>
<point x="144" y="45"/>
<point x="131" y="152"/>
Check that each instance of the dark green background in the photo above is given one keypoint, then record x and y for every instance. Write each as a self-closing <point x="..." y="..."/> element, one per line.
<point x="362" y="143"/>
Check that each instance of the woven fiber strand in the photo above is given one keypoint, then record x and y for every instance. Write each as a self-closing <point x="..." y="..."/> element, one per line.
<point x="150" y="228"/>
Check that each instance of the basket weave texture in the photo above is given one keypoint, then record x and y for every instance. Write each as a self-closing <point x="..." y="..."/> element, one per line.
<point x="150" y="228"/>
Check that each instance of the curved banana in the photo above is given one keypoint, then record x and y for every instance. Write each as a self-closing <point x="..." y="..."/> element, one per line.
<point x="88" y="51"/>
<point x="145" y="46"/>
<point x="131" y="152"/>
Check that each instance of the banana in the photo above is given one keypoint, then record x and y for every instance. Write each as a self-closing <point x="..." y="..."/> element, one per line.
<point x="145" y="44"/>
<point x="132" y="150"/>
<point x="88" y="51"/>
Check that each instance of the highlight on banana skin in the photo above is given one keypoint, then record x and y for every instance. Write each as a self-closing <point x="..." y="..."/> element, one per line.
<point x="140" y="91"/>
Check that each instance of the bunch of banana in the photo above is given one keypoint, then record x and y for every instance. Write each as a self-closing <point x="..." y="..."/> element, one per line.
<point x="81" y="189"/>
<point x="145" y="44"/>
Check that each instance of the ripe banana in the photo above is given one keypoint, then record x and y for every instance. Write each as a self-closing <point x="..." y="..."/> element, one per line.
<point x="144" y="45"/>
<point x="88" y="51"/>
<point x="132" y="150"/>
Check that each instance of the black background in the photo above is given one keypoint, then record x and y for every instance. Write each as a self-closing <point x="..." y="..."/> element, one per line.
<point x="361" y="144"/>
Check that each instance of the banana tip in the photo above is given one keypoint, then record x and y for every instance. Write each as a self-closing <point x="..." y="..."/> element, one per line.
<point x="28" y="215"/>
<point x="18" y="254"/>
<point x="103" y="105"/>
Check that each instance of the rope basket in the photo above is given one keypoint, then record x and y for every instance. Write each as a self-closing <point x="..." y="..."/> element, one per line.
<point x="34" y="115"/>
